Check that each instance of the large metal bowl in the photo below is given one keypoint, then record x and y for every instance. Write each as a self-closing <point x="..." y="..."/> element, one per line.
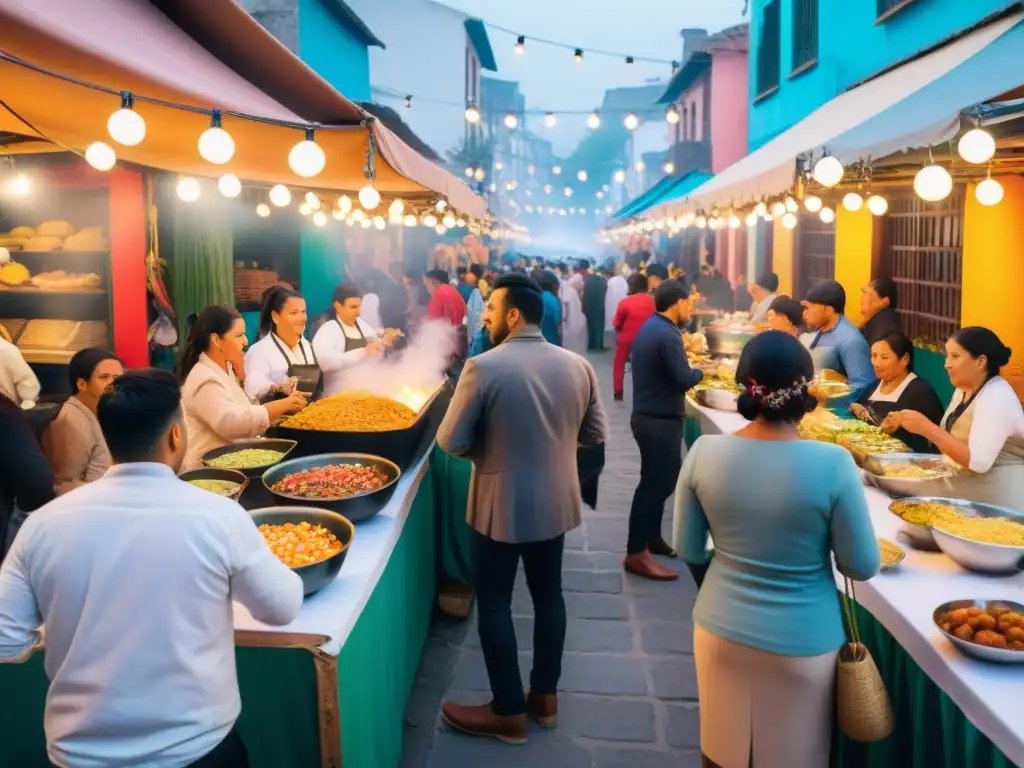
<point x="262" y="443"/>
<point x="318" y="575"/>
<point x="969" y="648"/>
<point x="211" y="473"/>
<point x="728" y="340"/>
<point x="940" y="485"/>
<point x="977" y="556"/>
<point x="718" y="399"/>
<point x="356" y="508"/>
<point x="921" y="536"/>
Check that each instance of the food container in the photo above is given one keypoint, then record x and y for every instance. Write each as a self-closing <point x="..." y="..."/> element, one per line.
<point x="922" y="536"/>
<point x="211" y="473"/>
<point x="719" y="399"/>
<point x="317" y="575"/>
<point x="262" y="443"/>
<point x="938" y="485"/>
<point x="979" y="556"/>
<point x="356" y="508"/>
<point x="976" y="650"/>
<point x="728" y="339"/>
<point x="892" y="554"/>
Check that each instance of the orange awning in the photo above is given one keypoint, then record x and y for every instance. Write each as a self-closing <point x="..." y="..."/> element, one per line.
<point x="131" y="45"/>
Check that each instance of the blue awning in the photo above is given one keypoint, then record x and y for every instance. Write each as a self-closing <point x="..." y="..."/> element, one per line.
<point x="481" y="44"/>
<point x="668" y="189"/>
<point x="694" y="67"/>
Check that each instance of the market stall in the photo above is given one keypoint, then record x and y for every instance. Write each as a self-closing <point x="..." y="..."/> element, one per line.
<point x="950" y="710"/>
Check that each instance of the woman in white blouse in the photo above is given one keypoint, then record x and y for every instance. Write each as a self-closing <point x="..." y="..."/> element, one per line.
<point x="983" y="428"/>
<point x="282" y="351"/>
<point x="217" y="410"/>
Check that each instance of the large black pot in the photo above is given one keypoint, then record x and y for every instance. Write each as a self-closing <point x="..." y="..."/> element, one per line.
<point x="212" y="473"/>
<point x="318" y="575"/>
<point x="356" y="508"/>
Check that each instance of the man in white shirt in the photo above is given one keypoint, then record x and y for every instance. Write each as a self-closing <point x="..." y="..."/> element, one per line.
<point x="17" y="379"/>
<point x="134" y="576"/>
<point x="347" y="340"/>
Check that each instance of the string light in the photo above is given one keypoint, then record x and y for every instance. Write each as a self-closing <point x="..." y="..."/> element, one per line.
<point x="345" y="204"/>
<point x="789" y="220"/>
<point x="531" y="169"/>
<point x="547" y="189"/>
<point x="751" y="219"/>
<point x="472" y="114"/>
<point x="791" y="205"/>
<point x="338" y="215"/>
<point x="499" y="166"/>
<point x="734" y="221"/>
<point x="578" y="55"/>
<point x="215" y="144"/>
<point x="369" y="197"/>
<point x="408" y="101"/>
<point x="312" y="201"/>
<point x="989" y="192"/>
<point x="669" y="167"/>
<point x="441" y="229"/>
<point x="672" y="115"/>
<point x="378" y="222"/>
<point x="630" y="59"/>
<point x="550" y="121"/>
<point x="479" y="174"/>
<point x="778" y="208"/>
<point x="761" y="209"/>
<point x="189" y="189"/>
<point x="126" y="126"/>
<point x="976" y="146"/>
<point x="358" y="215"/>
<point x="440" y="205"/>
<point x="933" y="183"/>
<point x="593" y="121"/>
<point x="430" y="220"/>
<point x="828" y="171"/>
<point x="701" y="222"/>
<point x="557" y="170"/>
<point x="639" y="166"/>
<point x="521" y="45"/>
<point x="397" y="208"/>
<point x="307" y="158"/>
<point x="853" y="202"/>
<point x="812" y="203"/>
<point x="100" y="156"/>
<point x="620" y="176"/>
<point x="827" y="215"/>
<point x="567" y="191"/>
<point x="878" y="205"/>
<point x="320" y="219"/>
<point x="511" y="121"/>
<point x="263" y="210"/>
<point x="304" y="209"/>
<point x="410" y="220"/>
<point x="19" y="185"/>
<point x="581" y="175"/>
<point x="229" y="185"/>
<point x="631" y="121"/>
<point x="280" y="195"/>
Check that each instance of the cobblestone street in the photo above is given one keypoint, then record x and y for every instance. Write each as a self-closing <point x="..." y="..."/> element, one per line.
<point x="628" y="691"/>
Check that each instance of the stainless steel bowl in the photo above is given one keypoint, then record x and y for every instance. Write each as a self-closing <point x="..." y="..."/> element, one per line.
<point x="983" y="652"/>
<point x="978" y="556"/>
<point x="315" y="576"/>
<point x="356" y="508"/>
<point x="719" y="399"/>
<point x="212" y="473"/>
<point x="911" y="486"/>
<point x="728" y="340"/>
<point x="922" y="536"/>
<point x="263" y="443"/>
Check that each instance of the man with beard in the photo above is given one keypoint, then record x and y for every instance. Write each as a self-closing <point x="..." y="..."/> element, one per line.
<point x="661" y="378"/>
<point x="518" y="414"/>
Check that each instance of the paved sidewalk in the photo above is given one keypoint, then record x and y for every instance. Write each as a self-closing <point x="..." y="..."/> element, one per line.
<point x="628" y="691"/>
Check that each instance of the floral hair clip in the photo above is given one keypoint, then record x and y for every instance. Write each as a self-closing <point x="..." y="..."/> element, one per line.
<point x="776" y="398"/>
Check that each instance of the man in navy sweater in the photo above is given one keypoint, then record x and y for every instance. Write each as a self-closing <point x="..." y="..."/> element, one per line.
<point x="661" y="378"/>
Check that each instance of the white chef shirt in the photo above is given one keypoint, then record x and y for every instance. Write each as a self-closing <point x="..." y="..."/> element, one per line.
<point x="17" y="379"/>
<point x="998" y="417"/>
<point x="266" y="366"/>
<point x="329" y="345"/>
<point x="134" y="575"/>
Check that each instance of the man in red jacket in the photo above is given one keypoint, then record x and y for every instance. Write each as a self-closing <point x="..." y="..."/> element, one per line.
<point x="633" y="312"/>
<point x="445" y="301"/>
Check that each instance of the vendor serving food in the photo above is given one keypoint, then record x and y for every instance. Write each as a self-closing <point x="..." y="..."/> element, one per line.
<point x="217" y="410"/>
<point x="983" y="428"/>
<point x="282" y="361"/>
<point x="836" y="343"/>
<point x="347" y="340"/>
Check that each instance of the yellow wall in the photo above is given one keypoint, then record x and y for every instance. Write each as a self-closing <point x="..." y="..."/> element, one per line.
<point x="993" y="263"/>
<point x="854" y="232"/>
<point x="782" y="257"/>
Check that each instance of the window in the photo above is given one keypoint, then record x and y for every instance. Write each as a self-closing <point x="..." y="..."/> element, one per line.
<point x="805" y="34"/>
<point x="685" y="122"/>
<point x="693" y="122"/>
<point x="768" y="61"/>
<point x="815" y="253"/>
<point x="923" y="253"/>
<point x="886" y="8"/>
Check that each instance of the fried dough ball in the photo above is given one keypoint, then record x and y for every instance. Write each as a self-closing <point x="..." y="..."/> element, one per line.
<point x="974" y="612"/>
<point x="957" y="617"/>
<point x="990" y="638"/>
<point x="995" y="611"/>
<point x="1014" y="634"/>
<point x="982" y="621"/>
<point x="1017" y="645"/>
<point x="964" y="632"/>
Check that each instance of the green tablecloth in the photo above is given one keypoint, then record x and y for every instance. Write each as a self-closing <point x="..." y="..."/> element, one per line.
<point x="451" y="492"/>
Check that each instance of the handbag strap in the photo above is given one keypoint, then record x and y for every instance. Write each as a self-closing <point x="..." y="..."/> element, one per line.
<point x="847" y="601"/>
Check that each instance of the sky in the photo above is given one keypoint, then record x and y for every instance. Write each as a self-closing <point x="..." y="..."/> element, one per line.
<point x="549" y="77"/>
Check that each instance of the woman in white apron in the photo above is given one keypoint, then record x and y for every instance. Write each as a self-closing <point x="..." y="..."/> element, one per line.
<point x="282" y="354"/>
<point x="983" y="428"/>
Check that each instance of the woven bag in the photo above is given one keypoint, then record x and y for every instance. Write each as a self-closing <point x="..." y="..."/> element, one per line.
<point x="863" y="709"/>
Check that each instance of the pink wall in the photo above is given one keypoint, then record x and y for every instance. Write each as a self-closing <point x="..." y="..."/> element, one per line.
<point x="692" y="101"/>
<point x="728" y="108"/>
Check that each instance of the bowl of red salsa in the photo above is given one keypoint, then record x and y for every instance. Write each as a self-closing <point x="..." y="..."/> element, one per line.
<point x="356" y="485"/>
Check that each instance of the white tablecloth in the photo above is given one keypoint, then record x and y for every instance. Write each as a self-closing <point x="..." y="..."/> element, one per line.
<point x="903" y="601"/>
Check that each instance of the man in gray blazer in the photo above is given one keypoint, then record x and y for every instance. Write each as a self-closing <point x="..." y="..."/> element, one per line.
<point x="519" y="413"/>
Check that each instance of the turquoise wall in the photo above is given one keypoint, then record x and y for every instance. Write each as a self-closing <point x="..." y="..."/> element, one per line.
<point x="851" y="47"/>
<point x="337" y="55"/>
<point x="321" y="270"/>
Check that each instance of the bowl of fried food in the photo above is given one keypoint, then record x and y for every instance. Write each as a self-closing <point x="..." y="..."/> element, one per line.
<point x="990" y="630"/>
<point x="312" y="542"/>
<point x="223" y="482"/>
<point x="992" y="542"/>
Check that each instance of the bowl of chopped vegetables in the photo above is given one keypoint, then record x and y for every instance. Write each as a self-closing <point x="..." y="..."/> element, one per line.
<point x="312" y="542"/>
<point x="229" y="483"/>
<point x="358" y="485"/>
<point x="250" y="457"/>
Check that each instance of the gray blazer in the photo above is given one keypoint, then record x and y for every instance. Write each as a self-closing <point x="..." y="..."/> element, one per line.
<point x="519" y="413"/>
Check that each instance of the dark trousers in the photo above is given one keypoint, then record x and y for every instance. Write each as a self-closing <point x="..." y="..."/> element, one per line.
<point x="595" y="329"/>
<point x="661" y="457"/>
<point x="494" y="569"/>
<point x="230" y="753"/>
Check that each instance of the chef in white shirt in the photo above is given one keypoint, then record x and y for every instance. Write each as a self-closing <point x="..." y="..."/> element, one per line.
<point x="134" y="577"/>
<point x="347" y="340"/>
<point x="17" y="380"/>
<point x="281" y="354"/>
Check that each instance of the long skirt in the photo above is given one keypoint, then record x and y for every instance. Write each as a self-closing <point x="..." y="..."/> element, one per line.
<point x="762" y="709"/>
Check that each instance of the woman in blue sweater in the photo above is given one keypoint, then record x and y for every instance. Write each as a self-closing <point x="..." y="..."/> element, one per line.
<point x="767" y="619"/>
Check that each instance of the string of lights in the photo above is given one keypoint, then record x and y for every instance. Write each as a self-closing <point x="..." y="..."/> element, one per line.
<point x="578" y="53"/>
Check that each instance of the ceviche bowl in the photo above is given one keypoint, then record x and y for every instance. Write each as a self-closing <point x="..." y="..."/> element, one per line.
<point x="356" y="485"/>
<point x="315" y="576"/>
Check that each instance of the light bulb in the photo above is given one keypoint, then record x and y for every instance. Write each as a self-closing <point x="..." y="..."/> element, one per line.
<point x="582" y="175"/>
<point x="263" y="210"/>
<point x="19" y="185"/>
<point x="280" y="195"/>
<point x="469" y="173"/>
<point x="827" y="215"/>
<point x="550" y="121"/>
<point x="878" y="205"/>
<point x="345" y="204"/>
<point x="714" y="223"/>
<point x="599" y="195"/>
<point x="638" y="166"/>
<point x="751" y="219"/>
<point x="852" y="201"/>
<point x="828" y="171"/>
<point x="369" y="197"/>
<point x="702" y="222"/>
<point x="789" y="220"/>
<point x="338" y="215"/>
<point x="812" y="203"/>
<point x="593" y="121"/>
<point x="577" y="56"/>
<point x="547" y="189"/>
<point x="778" y="208"/>
<point x="410" y="220"/>
<point x="366" y="223"/>
<point x="976" y="146"/>
<point x="440" y="205"/>
<point x="430" y="220"/>
<point x="933" y="183"/>
<point x="672" y="115"/>
<point x="520" y="45"/>
<point x="557" y="170"/>
<point x="791" y="205"/>
<point x="472" y="114"/>
<point x="479" y="174"/>
<point x="734" y="221"/>
<point x="358" y="215"/>
<point x="448" y="221"/>
<point x="320" y="219"/>
<point x="460" y="223"/>
<point x="313" y="201"/>
<point x="511" y="121"/>
<point x="441" y="229"/>
<point x="304" y="209"/>
<point x="499" y="166"/>
<point x="568" y="191"/>
<point x="378" y="222"/>
<point x="189" y="189"/>
<point x="229" y="185"/>
<point x="126" y="126"/>
<point x="307" y="158"/>
<point x="100" y="156"/>
<point x="669" y="168"/>
<point x="761" y="209"/>
<point x="397" y="208"/>
<point x="531" y="169"/>
<point x="988" y="192"/>
<point x="572" y="210"/>
<point x="215" y="144"/>
<point x="631" y="121"/>
<point x="768" y="217"/>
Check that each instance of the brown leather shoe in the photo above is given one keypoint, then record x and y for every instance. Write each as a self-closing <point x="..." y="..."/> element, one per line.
<point x="644" y="565"/>
<point x="481" y="721"/>
<point x="543" y="707"/>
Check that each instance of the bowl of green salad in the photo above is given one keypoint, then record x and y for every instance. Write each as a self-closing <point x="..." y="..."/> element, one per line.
<point x="250" y="457"/>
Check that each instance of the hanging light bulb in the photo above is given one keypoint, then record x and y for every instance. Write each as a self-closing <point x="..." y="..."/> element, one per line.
<point x="469" y="173"/>
<point x="320" y="219"/>
<point x="547" y="189"/>
<point x="531" y="169"/>
<point x="126" y="126"/>
<point x="460" y="223"/>
<point x="304" y="209"/>
<point x="599" y="195"/>
<point x="593" y="121"/>
<point x="344" y="204"/>
<point x="669" y="167"/>
<point x="734" y="221"/>
<point x="280" y="196"/>
<point x="19" y="185"/>
<point x="933" y="183"/>
<point x="976" y="146"/>
<point x="397" y="208"/>
<point x="100" y="156"/>
<point x="263" y="210"/>
<point x="672" y="114"/>
<point x="639" y="166"/>
<point x="631" y="121"/>
<point x="499" y="166"/>
<point x="448" y="221"/>
<point x="369" y="197"/>
<point x="577" y="56"/>
<point x="307" y="158"/>
<point x="215" y="144"/>
<point x="550" y="121"/>
<point x="557" y="170"/>
<point x="812" y="203"/>
<point x="778" y="208"/>
<point x="751" y="219"/>
<point x="567" y="191"/>
<point x="827" y="215"/>
<point x="761" y="209"/>
<point x="472" y="114"/>
<point x="878" y="205"/>
<point x="358" y="215"/>
<point x="581" y="175"/>
<point x="229" y="185"/>
<point x="989" y="192"/>
<point x="338" y="215"/>
<point x="366" y="223"/>
<point x="511" y="121"/>
<point x="853" y="201"/>
<point x="430" y="220"/>
<point x="828" y="171"/>
<point x="189" y="189"/>
<point x="702" y="222"/>
<point x="792" y="205"/>
<point x="572" y="210"/>
<point x="313" y="201"/>
<point x="479" y="174"/>
<point x="440" y="205"/>
<point x="410" y="220"/>
<point x="441" y="229"/>
<point x="378" y="222"/>
<point x="521" y="45"/>
<point x="789" y="220"/>
<point x="714" y="223"/>
<point x="768" y="217"/>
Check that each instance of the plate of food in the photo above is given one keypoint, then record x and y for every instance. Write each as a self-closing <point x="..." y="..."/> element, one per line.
<point x="990" y="630"/>
<point x="892" y="554"/>
<point x="312" y="542"/>
<point x="250" y="457"/>
<point x="229" y="483"/>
